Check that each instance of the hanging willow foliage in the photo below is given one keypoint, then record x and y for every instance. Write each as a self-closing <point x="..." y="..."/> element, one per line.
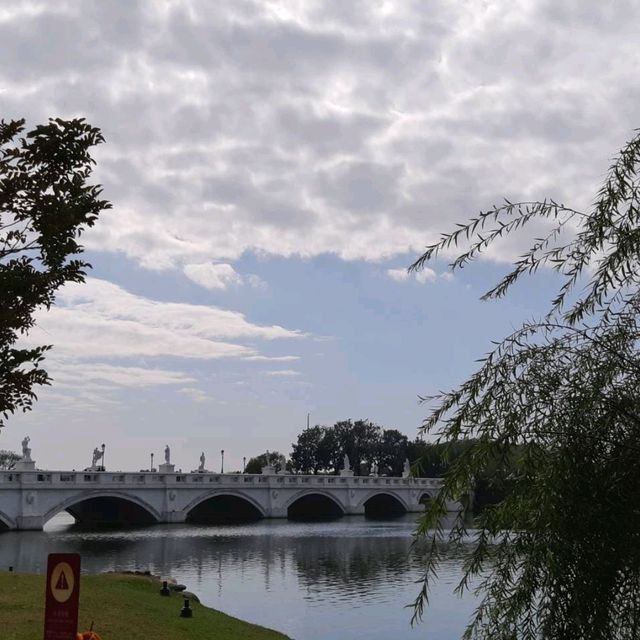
<point x="559" y="556"/>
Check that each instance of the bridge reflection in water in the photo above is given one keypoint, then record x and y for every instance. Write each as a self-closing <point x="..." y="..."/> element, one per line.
<point x="345" y="578"/>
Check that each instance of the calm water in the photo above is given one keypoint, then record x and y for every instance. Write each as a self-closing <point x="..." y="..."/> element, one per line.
<point x="322" y="581"/>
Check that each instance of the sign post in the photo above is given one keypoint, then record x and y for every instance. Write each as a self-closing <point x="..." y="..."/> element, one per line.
<point x="63" y="595"/>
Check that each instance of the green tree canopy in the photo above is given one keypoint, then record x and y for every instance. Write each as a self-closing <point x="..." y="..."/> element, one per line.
<point x="558" y="557"/>
<point x="274" y="458"/>
<point x="392" y="452"/>
<point x="359" y="439"/>
<point x="433" y="460"/>
<point x="8" y="459"/>
<point x="306" y="453"/>
<point x="45" y="204"/>
<point x="322" y="449"/>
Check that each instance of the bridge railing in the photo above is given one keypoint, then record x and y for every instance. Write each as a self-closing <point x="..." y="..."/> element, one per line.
<point x="43" y="478"/>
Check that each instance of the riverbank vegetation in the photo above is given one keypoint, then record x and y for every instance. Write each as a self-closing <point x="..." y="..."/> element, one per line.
<point x="120" y="607"/>
<point x="556" y="557"/>
<point x="371" y="448"/>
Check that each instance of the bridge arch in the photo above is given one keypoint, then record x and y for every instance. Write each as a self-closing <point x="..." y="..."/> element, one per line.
<point x="313" y="504"/>
<point x="216" y="507"/>
<point x="6" y="523"/>
<point x="122" y="508"/>
<point x="384" y="504"/>
<point x="425" y="498"/>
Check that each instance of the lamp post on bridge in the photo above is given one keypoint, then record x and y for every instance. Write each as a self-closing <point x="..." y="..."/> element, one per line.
<point x="151" y="468"/>
<point x="222" y="461"/>
<point x="103" y="465"/>
<point x="244" y="463"/>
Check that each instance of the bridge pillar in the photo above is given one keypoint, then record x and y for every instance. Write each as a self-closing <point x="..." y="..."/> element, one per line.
<point x="351" y="507"/>
<point x="29" y="523"/>
<point x="352" y="510"/>
<point x="173" y="517"/>
<point x="277" y="512"/>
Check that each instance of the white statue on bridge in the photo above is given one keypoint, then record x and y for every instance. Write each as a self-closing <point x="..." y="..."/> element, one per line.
<point x="97" y="455"/>
<point x="26" y="451"/>
<point x="166" y="466"/>
<point x="406" y="472"/>
<point x="202" y="459"/>
<point x="26" y="463"/>
<point x="346" y="471"/>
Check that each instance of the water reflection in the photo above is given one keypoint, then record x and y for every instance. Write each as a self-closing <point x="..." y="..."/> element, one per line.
<point x="310" y="580"/>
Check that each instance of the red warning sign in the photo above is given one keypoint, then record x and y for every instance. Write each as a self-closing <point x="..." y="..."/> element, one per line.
<point x="63" y="593"/>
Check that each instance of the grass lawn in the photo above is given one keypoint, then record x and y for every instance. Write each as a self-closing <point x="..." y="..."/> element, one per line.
<point x="122" y="607"/>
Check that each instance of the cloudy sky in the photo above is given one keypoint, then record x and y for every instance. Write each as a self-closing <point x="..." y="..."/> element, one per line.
<point x="273" y="168"/>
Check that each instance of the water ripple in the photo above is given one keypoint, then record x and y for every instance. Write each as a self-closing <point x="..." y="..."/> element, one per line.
<point x="314" y="581"/>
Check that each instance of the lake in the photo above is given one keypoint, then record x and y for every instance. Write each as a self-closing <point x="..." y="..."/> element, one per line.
<point x="349" y="578"/>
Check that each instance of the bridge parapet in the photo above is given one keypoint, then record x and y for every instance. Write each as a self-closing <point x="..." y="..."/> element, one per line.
<point x="145" y="478"/>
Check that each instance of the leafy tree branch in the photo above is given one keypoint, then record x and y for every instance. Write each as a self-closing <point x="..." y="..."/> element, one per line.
<point x="558" y="556"/>
<point x="46" y="203"/>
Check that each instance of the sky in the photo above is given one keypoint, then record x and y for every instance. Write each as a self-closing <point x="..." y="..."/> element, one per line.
<point x="274" y="167"/>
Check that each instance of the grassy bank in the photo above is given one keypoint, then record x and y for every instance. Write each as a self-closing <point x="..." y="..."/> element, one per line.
<point x="122" y="607"/>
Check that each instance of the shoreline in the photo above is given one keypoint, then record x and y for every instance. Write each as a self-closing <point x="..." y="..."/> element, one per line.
<point x="121" y="605"/>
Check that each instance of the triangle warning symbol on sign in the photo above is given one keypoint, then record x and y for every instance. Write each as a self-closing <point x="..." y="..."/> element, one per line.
<point x="62" y="582"/>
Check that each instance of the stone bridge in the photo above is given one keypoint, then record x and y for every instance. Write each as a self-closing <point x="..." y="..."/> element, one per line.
<point x="28" y="499"/>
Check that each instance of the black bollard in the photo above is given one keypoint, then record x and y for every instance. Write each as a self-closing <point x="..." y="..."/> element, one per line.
<point x="10" y="569"/>
<point x="165" y="589"/>
<point x="186" y="611"/>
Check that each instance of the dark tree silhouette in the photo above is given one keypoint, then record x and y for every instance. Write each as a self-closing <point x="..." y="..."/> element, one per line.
<point x="274" y="458"/>
<point x="45" y="204"/>
<point x="8" y="459"/>
<point x="558" y="556"/>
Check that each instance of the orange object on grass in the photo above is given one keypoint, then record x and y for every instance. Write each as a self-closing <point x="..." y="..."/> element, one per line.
<point x="88" y="635"/>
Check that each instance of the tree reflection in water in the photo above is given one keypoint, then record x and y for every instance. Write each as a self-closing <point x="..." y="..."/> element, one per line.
<point x="307" y="579"/>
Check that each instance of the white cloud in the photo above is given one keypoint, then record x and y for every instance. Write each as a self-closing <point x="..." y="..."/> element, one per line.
<point x="101" y="319"/>
<point x="426" y="274"/>
<point x="282" y="373"/>
<point x="399" y="275"/>
<point x="323" y="128"/>
<point x="65" y="373"/>
<point x="197" y="395"/>
<point x="255" y="281"/>
<point x="96" y="323"/>
<point x="220" y="276"/>
<point x="272" y="358"/>
<point x="88" y="385"/>
<point x="213" y="276"/>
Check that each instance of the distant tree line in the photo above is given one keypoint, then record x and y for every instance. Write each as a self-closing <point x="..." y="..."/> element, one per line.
<point x="491" y="483"/>
<point x="274" y="458"/>
<point x="321" y="450"/>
